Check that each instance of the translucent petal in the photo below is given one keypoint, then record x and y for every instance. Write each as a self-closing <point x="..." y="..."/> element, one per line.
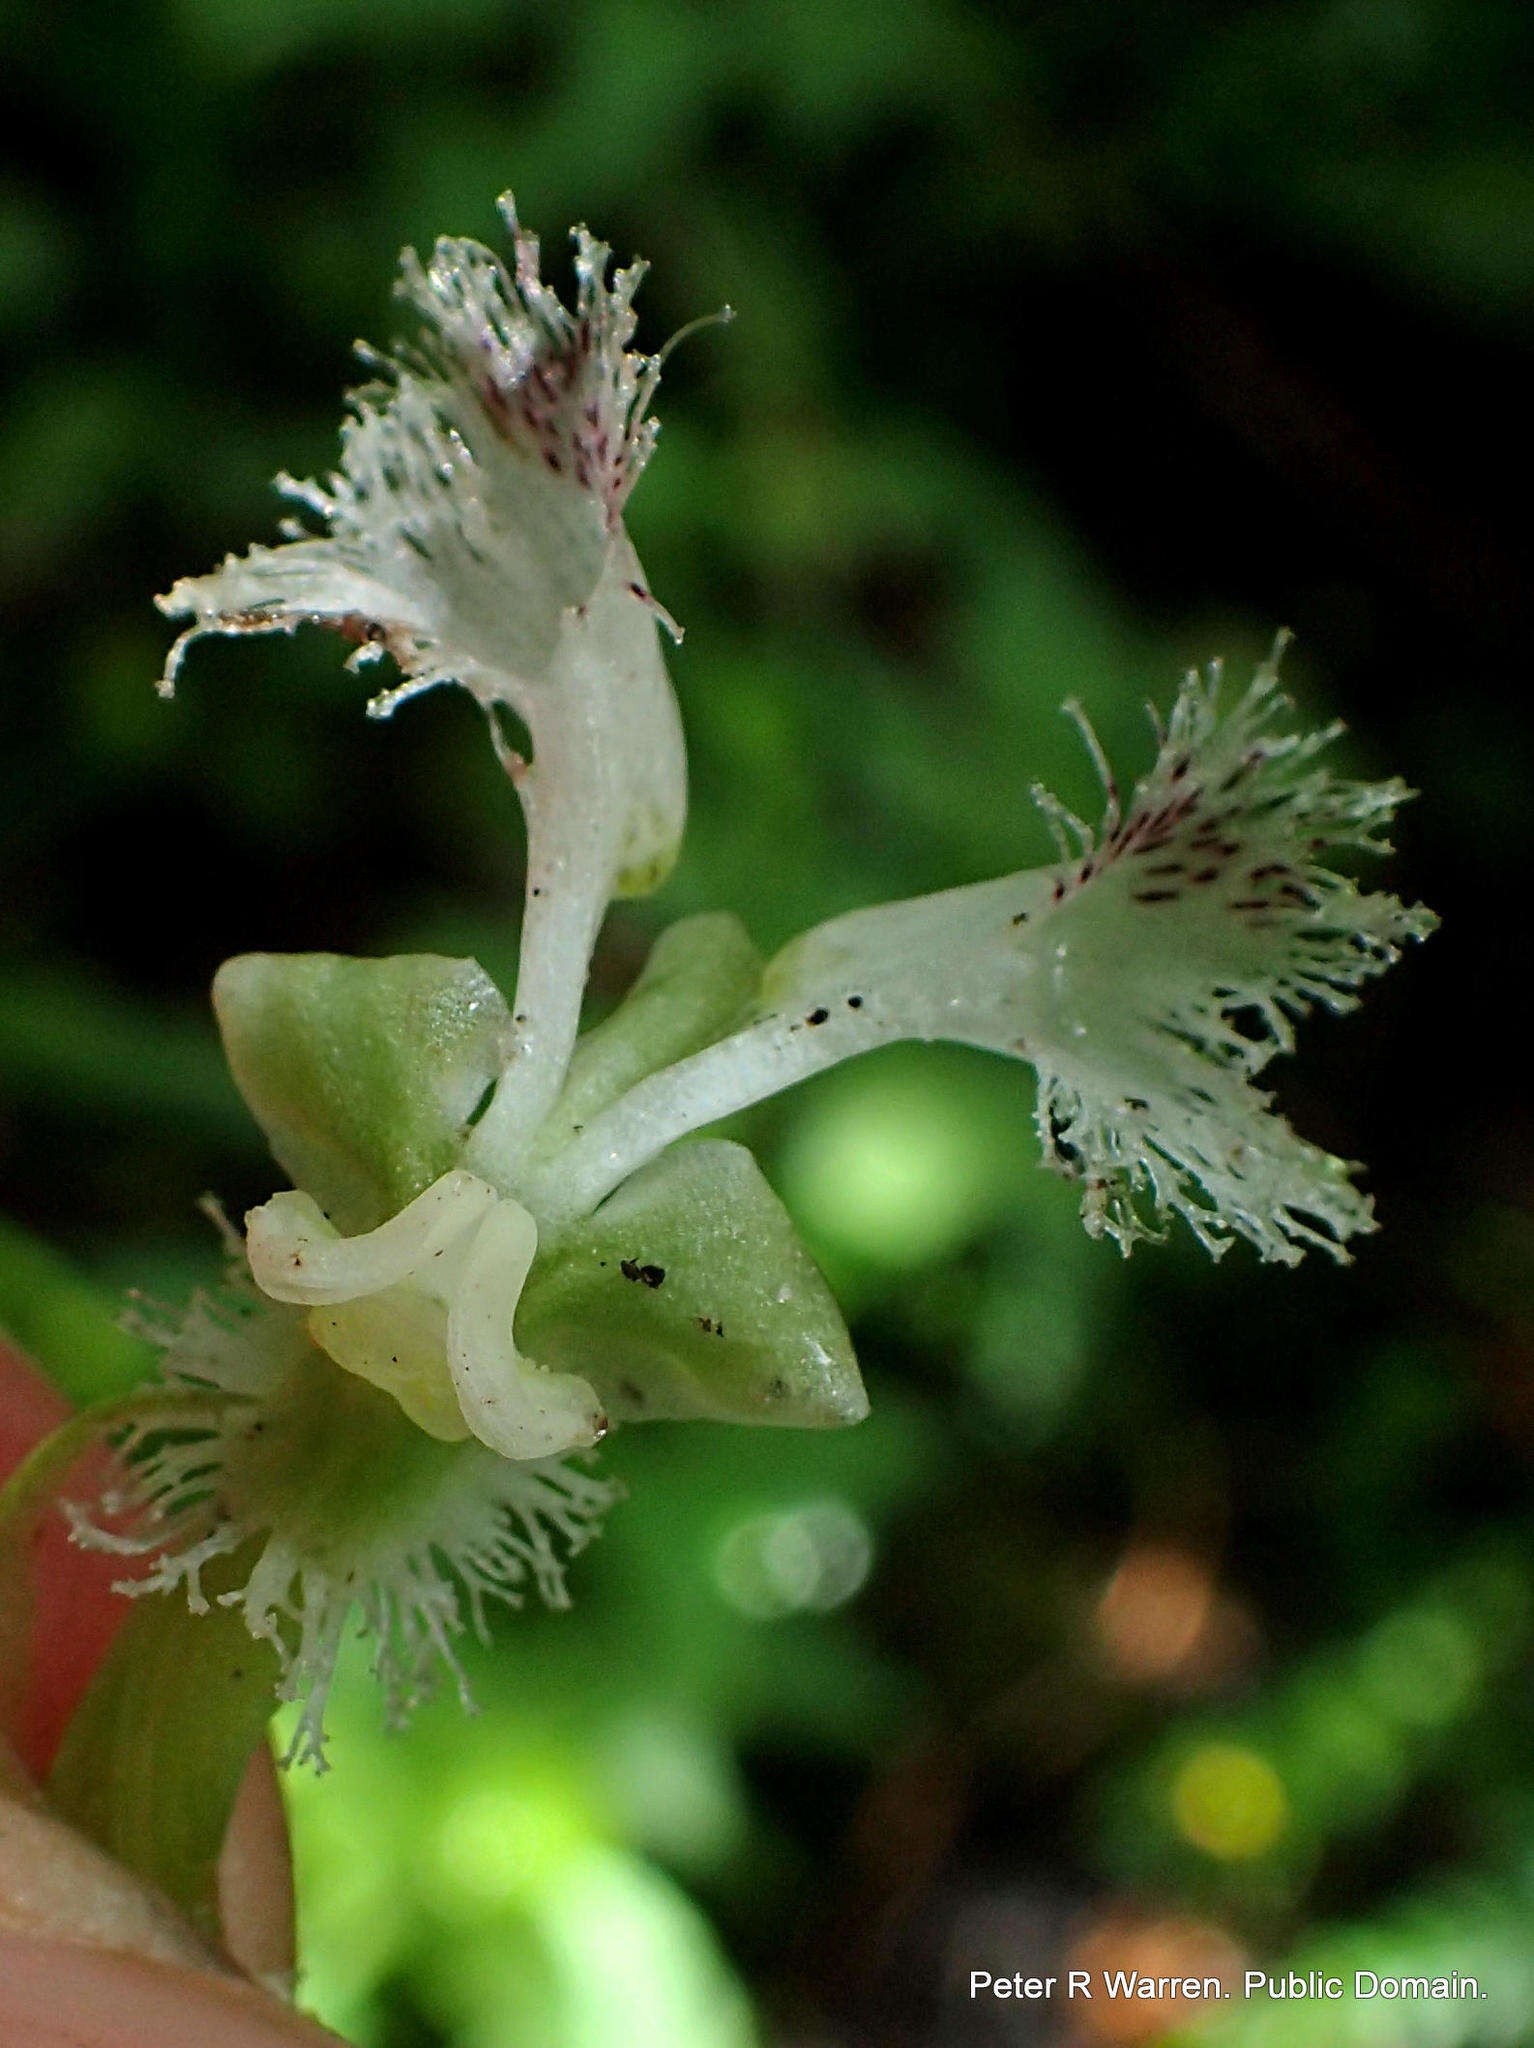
<point x="397" y="1338"/>
<point x="510" y="1403"/>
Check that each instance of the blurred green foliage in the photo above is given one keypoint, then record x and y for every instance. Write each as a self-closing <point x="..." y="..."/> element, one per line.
<point x="1075" y="344"/>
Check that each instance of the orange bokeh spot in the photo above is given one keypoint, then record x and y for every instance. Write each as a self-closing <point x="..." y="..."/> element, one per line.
<point x="1132" y="1950"/>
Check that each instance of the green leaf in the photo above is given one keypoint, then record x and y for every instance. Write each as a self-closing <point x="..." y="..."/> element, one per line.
<point x="65" y="1321"/>
<point x="701" y="979"/>
<point x="688" y="1294"/>
<point x="156" y="1752"/>
<point x="362" y="1073"/>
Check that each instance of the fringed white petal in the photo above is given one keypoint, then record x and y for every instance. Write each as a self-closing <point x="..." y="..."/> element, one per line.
<point x="473" y="527"/>
<point x="473" y="533"/>
<point x="1147" y="977"/>
<point x="561" y="387"/>
<point x="481" y="483"/>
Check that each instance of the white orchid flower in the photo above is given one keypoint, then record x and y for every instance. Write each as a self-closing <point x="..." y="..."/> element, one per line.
<point x="494" y="1246"/>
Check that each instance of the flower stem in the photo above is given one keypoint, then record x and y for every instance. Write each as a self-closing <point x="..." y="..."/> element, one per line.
<point x="766" y="1056"/>
<point x="568" y="889"/>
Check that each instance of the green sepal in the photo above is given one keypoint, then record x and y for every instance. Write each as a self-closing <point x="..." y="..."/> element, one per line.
<point x="688" y="1294"/>
<point x="701" y="980"/>
<point x="362" y="1073"/>
<point x="154" y="1757"/>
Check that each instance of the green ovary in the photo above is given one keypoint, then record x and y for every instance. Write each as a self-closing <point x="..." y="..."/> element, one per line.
<point x="332" y="1461"/>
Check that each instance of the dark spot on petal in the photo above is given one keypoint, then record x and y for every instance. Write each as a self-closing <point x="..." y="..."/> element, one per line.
<point x="817" y="1017"/>
<point x="648" y="1276"/>
<point x="354" y="627"/>
<point x="854" y="1002"/>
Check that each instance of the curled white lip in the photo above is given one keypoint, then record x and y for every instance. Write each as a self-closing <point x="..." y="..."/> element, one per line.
<point x="465" y="1246"/>
<point x="296" y="1254"/>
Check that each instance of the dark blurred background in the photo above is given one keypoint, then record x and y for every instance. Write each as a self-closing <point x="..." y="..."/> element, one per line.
<point x="1163" y="1615"/>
